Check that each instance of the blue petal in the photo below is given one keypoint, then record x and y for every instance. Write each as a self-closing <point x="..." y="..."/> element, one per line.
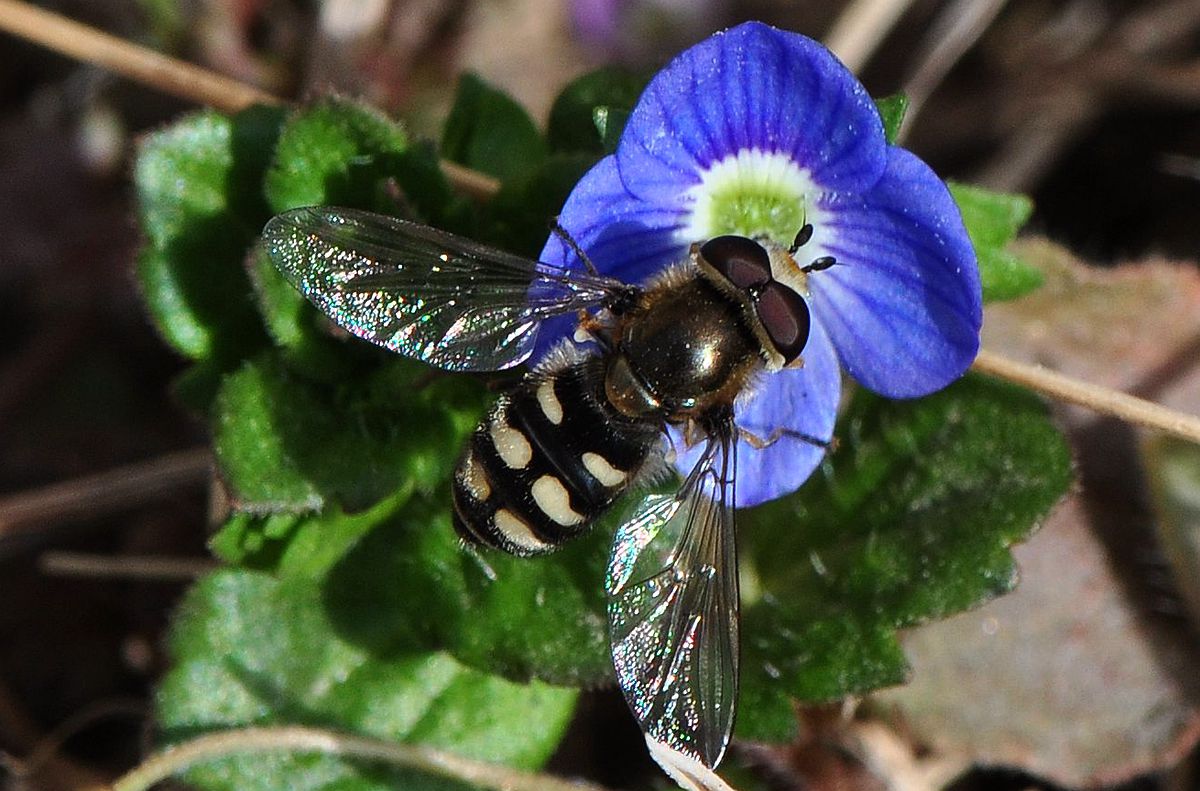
<point x="625" y="238"/>
<point x="802" y="400"/>
<point x="904" y="310"/>
<point x="752" y="87"/>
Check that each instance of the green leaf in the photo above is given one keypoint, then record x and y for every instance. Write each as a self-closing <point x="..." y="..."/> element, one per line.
<point x="293" y="323"/>
<point x="489" y="132"/>
<point x="892" y="109"/>
<point x="518" y="218"/>
<point x="200" y="202"/>
<point x="992" y="220"/>
<point x="335" y="152"/>
<point x="197" y="386"/>
<point x="911" y="520"/>
<point x="255" y="542"/>
<point x="610" y="123"/>
<point x="410" y="582"/>
<point x="253" y="649"/>
<point x="574" y="126"/>
<point x="286" y="443"/>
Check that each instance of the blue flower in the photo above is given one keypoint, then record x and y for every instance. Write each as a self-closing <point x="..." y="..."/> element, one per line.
<point x="757" y="131"/>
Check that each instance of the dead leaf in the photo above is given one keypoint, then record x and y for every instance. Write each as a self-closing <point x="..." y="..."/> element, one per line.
<point x="1086" y="674"/>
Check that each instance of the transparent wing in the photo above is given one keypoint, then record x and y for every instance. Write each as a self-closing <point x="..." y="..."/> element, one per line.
<point x="426" y="293"/>
<point x="673" y="609"/>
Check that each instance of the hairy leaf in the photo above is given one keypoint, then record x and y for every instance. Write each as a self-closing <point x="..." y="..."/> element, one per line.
<point x="911" y="519"/>
<point x="610" y="123"/>
<point x="339" y="153"/>
<point x="519" y="218"/>
<point x="335" y="152"/>
<point x="255" y="649"/>
<point x="285" y="443"/>
<point x="411" y="582"/>
<point x="892" y="109"/>
<point x="201" y="205"/>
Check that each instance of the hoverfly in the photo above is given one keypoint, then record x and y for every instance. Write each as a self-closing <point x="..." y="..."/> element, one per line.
<point x="583" y="427"/>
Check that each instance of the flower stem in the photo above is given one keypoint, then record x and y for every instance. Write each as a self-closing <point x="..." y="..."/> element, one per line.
<point x="874" y="17"/>
<point x="300" y="739"/>
<point x="1098" y="399"/>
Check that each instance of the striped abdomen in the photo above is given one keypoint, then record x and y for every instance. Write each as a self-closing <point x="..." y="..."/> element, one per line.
<point x="550" y="458"/>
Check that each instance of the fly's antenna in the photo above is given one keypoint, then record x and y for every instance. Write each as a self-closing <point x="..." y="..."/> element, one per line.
<point x="565" y="235"/>
<point x="802" y="236"/>
<point x="821" y="264"/>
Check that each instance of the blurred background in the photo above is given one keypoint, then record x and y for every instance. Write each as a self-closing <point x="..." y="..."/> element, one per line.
<point x="1092" y="107"/>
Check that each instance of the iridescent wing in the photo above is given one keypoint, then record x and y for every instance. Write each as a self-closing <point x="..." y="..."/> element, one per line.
<point x="426" y="293"/>
<point x="673" y="609"/>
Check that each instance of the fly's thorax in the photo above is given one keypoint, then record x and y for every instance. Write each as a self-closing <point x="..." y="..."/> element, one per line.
<point x="768" y="285"/>
<point x="684" y="350"/>
<point x="550" y="457"/>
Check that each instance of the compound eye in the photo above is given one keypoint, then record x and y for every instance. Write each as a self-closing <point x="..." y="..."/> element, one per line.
<point x="784" y="315"/>
<point x="742" y="261"/>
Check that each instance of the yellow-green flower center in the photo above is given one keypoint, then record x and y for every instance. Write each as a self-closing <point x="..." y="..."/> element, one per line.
<point x="755" y="212"/>
<point x="751" y="193"/>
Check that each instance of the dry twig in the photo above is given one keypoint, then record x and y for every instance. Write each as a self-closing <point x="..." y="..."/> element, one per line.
<point x="949" y="38"/>
<point x="113" y="490"/>
<point x="312" y="740"/>
<point x="1061" y="95"/>
<point x="125" y="58"/>
<point x="860" y="29"/>
<point x="1098" y="399"/>
<point x="144" y="568"/>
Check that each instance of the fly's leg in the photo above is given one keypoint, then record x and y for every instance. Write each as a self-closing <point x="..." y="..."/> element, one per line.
<point x="759" y="443"/>
<point x="594" y="328"/>
<point x="569" y="240"/>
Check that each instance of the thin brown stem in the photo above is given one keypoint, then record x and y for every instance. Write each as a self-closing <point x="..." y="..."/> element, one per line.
<point x="861" y="28"/>
<point x="1098" y="399"/>
<point x="479" y="186"/>
<point x="49" y="769"/>
<point x="312" y="740"/>
<point x="142" y="65"/>
<point x="48" y="758"/>
<point x="143" y="568"/>
<point x="103" y="492"/>
<point x="954" y="32"/>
